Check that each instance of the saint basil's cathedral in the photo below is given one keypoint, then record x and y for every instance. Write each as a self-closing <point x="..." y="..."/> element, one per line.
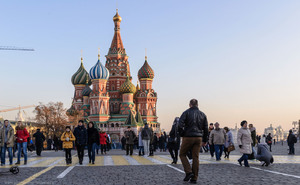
<point x="113" y="102"/>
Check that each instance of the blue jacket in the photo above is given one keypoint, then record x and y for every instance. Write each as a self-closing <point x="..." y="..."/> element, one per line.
<point x="81" y="135"/>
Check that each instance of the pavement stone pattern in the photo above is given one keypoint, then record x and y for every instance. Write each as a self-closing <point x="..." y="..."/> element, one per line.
<point x="134" y="169"/>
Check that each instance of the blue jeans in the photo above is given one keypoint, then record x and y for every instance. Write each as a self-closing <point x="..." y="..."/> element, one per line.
<point x="245" y="159"/>
<point x="3" y="152"/>
<point x="141" y="150"/>
<point x="20" y="145"/>
<point x="219" y="150"/>
<point x="91" y="151"/>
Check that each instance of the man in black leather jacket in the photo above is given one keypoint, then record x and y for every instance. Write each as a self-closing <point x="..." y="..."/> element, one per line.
<point x="194" y="131"/>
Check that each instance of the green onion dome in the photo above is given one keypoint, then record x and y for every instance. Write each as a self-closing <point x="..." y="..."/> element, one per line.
<point x="127" y="87"/>
<point x="146" y="71"/>
<point x="87" y="90"/>
<point x="71" y="111"/>
<point x="81" y="76"/>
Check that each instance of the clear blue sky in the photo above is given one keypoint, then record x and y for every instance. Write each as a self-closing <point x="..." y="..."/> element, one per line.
<point x="240" y="59"/>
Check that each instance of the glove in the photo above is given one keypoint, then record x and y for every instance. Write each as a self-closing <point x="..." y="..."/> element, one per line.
<point x="67" y="139"/>
<point x="240" y="146"/>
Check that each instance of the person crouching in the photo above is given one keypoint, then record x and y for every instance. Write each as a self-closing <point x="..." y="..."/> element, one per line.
<point x="67" y="138"/>
<point x="263" y="154"/>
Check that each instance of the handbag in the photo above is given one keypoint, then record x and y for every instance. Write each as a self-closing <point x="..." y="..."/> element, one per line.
<point x="231" y="148"/>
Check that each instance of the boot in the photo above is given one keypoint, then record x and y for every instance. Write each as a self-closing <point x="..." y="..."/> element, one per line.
<point x="25" y="162"/>
<point x="70" y="160"/>
<point x="140" y="153"/>
<point x="67" y="161"/>
<point x="17" y="162"/>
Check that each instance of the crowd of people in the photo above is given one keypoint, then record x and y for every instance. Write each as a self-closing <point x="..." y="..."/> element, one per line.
<point x="190" y="134"/>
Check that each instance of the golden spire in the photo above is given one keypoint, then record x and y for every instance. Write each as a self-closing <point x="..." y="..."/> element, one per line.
<point x="81" y="56"/>
<point x="145" y="53"/>
<point x="87" y="79"/>
<point x="117" y="17"/>
<point x="98" y="53"/>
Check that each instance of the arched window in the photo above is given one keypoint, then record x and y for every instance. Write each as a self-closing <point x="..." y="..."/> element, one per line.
<point x="117" y="124"/>
<point x="112" y="125"/>
<point x="105" y="125"/>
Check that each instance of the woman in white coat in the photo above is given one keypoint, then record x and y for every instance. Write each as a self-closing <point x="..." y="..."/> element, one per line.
<point x="244" y="141"/>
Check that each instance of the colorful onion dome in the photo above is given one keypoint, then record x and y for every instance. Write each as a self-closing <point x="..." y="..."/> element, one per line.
<point x="117" y="17"/>
<point x="80" y="77"/>
<point x="146" y="71"/>
<point x="127" y="87"/>
<point x="71" y="111"/>
<point x="87" y="90"/>
<point x="99" y="71"/>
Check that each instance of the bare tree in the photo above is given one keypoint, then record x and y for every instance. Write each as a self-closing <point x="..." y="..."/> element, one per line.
<point x="52" y="117"/>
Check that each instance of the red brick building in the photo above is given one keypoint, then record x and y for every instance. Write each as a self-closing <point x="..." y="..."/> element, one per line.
<point x="114" y="102"/>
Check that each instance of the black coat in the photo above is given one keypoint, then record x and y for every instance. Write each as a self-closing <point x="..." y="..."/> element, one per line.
<point x="193" y="123"/>
<point x="174" y="134"/>
<point x="81" y="135"/>
<point x="93" y="136"/>
<point x="39" y="138"/>
<point x="291" y="139"/>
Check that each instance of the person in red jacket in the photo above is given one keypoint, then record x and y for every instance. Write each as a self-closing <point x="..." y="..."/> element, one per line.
<point x="21" y="135"/>
<point x="103" y="137"/>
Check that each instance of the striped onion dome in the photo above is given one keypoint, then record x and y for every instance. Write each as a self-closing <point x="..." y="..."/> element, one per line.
<point x="99" y="71"/>
<point x="87" y="90"/>
<point x="80" y="77"/>
<point x="127" y="87"/>
<point x="146" y="71"/>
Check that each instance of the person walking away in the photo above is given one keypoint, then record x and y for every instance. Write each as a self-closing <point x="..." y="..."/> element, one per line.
<point x="291" y="140"/>
<point x="155" y="142"/>
<point x="103" y="139"/>
<point x="108" y="142"/>
<point x="55" y="143"/>
<point x="39" y="140"/>
<point x="193" y="129"/>
<point x="228" y="142"/>
<point x="81" y="140"/>
<point x="151" y="146"/>
<point x="7" y="142"/>
<point x="165" y="141"/>
<point x="174" y="141"/>
<point x="217" y="137"/>
<point x="123" y="141"/>
<point x="141" y="146"/>
<point x="146" y="137"/>
<point x="245" y="143"/>
<point x="93" y="141"/>
<point x="49" y="143"/>
<point x="161" y="142"/>
<point x="67" y="138"/>
<point x="263" y="154"/>
<point x="211" y="147"/>
<point x="130" y="137"/>
<point x="253" y="136"/>
<point x="269" y="141"/>
<point x="21" y="135"/>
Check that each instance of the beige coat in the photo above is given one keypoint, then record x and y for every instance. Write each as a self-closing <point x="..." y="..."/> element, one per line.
<point x="10" y="136"/>
<point x="217" y="137"/>
<point x="244" y="139"/>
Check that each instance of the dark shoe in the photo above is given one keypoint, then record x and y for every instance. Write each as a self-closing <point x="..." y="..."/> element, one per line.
<point x="193" y="181"/>
<point x="263" y="164"/>
<point x="93" y="162"/>
<point x="240" y="162"/>
<point x="17" y="162"/>
<point x="25" y="162"/>
<point x="188" y="176"/>
<point x="90" y="161"/>
<point x="247" y="166"/>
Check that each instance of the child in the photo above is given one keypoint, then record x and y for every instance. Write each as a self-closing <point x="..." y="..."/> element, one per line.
<point x="67" y="138"/>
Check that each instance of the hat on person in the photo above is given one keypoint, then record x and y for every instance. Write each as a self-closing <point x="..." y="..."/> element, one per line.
<point x="129" y="127"/>
<point x="68" y="127"/>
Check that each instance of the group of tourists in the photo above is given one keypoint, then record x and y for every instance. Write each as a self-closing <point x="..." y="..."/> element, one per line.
<point x="83" y="137"/>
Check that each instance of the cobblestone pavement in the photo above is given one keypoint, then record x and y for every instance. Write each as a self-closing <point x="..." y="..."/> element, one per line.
<point x="117" y="168"/>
